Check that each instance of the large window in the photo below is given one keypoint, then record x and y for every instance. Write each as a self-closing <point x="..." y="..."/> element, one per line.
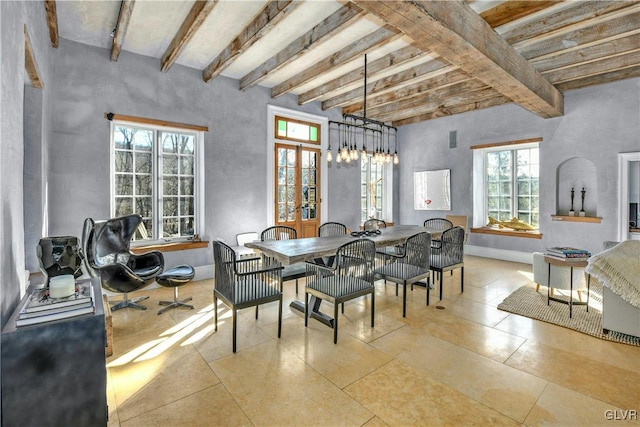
<point x="154" y="174"/>
<point x="511" y="176"/>
<point x="372" y="185"/>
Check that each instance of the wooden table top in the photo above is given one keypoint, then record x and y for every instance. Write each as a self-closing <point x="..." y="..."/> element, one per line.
<point x="566" y="262"/>
<point x="298" y="250"/>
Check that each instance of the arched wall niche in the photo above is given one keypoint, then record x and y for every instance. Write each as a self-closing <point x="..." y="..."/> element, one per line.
<point x="577" y="173"/>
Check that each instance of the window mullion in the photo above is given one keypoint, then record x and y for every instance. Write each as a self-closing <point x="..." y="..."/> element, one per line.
<point x="157" y="186"/>
<point x="514" y="190"/>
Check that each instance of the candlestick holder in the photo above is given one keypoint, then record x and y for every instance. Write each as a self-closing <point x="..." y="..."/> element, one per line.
<point x="571" y="211"/>
<point x="582" y="212"/>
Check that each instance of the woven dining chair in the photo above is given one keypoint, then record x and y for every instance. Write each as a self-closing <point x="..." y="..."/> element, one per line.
<point x="409" y="266"/>
<point x="374" y="224"/>
<point x="448" y="254"/>
<point x="350" y="277"/>
<point x="243" y="283"/>
<point x="439" y="224"/>
<point x="331" y="229"/>
<point x="281" y="232"/>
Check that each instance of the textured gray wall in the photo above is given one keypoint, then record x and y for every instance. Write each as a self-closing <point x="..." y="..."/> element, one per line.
<point x="599" y="122"/>
<point x="87" y="85"/>
<point x="13" y="16"/>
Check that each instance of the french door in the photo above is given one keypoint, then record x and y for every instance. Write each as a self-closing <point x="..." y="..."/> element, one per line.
<point x="297" y="188"/>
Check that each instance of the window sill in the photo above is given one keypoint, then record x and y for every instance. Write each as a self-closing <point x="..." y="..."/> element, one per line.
<point x="169" y="247"/>
<point x="511" y="233"/>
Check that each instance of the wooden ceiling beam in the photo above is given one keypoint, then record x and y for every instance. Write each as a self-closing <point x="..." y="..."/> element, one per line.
<point x="335" y="22"/>
<point x="565" y="20"/>
<point x="580" y="38"/>
<point x="408" y="53"/>
<point x="608" y="65"/>
<point x="441" y="104"/>
<point x="408" y="91"/>
<point x="52" y="21"/>
<point x="30" y="64"/>
<point x="365" y="44"/>
<point x="194" y="19"/>
<point x="448" y="110"/>
<point x="414" y="74"/>
<point x="458" y="34"/>
<point x="435" y="96"/>
<point x="269" y="16"/>
<point x="509" y="11"/>
<point x="576" y="56"/>
<point x="126" y="9"/>
<point x="626" y="73"/>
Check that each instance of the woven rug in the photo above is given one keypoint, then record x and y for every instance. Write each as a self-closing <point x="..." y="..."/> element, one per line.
<point x="529" y="303"/>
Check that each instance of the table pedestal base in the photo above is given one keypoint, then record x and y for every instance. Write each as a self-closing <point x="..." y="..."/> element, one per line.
<point x="315" y="311"/>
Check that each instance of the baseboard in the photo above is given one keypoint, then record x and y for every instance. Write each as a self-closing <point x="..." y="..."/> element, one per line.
<point x="502" y="254"/>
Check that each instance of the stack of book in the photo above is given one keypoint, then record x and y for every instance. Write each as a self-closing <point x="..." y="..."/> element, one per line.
<point x="568" y="253"/>
<point x="39" y="307"/>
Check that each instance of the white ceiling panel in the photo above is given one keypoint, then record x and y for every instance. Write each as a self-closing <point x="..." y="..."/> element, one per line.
<point x="88" y="22"/>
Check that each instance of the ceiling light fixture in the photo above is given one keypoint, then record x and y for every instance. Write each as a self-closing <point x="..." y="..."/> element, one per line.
<point x="373" y="137"/>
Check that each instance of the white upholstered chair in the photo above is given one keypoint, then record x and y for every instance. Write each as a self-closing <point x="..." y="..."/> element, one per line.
<point x="559" y="276"/>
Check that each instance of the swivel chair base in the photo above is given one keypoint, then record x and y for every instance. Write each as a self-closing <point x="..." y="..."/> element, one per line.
<point x="126" y="302"/>
<point x="175" y="302"/>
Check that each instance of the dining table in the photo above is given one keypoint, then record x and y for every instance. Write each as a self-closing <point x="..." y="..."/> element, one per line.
<point x="318" y="249"/>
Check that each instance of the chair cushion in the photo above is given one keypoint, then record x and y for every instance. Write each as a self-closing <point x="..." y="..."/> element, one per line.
<point x="401" y="271"/>
<point x="176" y="276"/>
<point x="339" y="286"/>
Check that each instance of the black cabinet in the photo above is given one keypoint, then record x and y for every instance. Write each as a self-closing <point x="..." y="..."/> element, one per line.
<point x="54" y="373"/>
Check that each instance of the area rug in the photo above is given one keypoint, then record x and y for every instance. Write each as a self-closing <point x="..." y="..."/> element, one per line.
<point x="527" y="302"/>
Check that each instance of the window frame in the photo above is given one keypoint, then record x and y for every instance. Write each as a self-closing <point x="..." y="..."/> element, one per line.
<point x="288" y="120"/>
<point x="387" y="183"/>
<point x="156" y="176"/>
<point x="480" y="182"/>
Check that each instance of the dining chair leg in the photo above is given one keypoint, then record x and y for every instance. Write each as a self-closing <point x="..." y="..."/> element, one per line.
<point x="306" y="309"/>
<point x="428" y="289"/>
<point x="256" y="312"/>
<point x="342" y="308"/>
<point x="440" y="276"/>
<point x="280" y="316"/>
<point x="335" y="323"/>
<point x="373" y="307"/>
<point x="404" y="299"/>
<point x="296" y="286"/>
<point x="396" y="289"/>
<point x="234" y="324"/>
<point x="215" y="312"/>
<point x="461" y="279"/>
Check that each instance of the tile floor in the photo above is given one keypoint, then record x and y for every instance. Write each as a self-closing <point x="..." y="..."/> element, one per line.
<point x="466" y="364"/>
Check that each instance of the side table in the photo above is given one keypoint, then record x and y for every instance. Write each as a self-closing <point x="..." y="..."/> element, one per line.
<point x="570" y="263"/>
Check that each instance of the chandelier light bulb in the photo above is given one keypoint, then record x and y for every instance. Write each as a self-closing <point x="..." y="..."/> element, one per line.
<point x="348" y="159"/>
<point x="338" y="158"/>
<point x="395" y="159"/>
<point x="329" y="156"/>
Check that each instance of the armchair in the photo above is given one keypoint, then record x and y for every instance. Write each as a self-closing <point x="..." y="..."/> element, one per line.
<point x="350" y="277"/>
<point x="107" y="255"/>
<point x="282" y="232"/>
<point x="243" y="283"/>
<point x="447" y="254"/>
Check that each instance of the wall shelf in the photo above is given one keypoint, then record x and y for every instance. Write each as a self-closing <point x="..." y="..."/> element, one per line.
<point x="594" y="219"/>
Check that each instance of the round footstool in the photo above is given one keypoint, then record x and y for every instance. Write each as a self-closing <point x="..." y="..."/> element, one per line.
<point x="173" y="278"/>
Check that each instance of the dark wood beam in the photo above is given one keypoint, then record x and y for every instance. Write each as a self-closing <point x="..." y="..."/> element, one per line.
<point x="271" y="14"/>
<point x="30" y="64"/>
<point x="354" y="50"/>
<point x="126" y="8"/>
<point x="337" y="21"/>
<point x="195" y="18"/>
<point x="458" y="34"/>
<point x="52" y="21"/>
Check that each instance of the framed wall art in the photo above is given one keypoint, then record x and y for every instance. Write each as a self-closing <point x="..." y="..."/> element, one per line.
<point x="432" y="190"/>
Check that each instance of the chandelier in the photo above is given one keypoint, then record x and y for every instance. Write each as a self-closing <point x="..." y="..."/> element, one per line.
<point x="357" y="136"/>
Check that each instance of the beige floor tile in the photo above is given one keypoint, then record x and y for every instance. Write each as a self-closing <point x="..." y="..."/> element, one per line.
<point x="342" y="363"/>
<point x="620" y="355"/>
<point x="608" y="383"/>
<point x="401" y="395"/>
<point x="561" y="406"/>
<point x="375" y="422"/>
<point x="144" y="385"/>
<point x="500" y="387"/>
<point x="209" y="407"/>
<point x="473" y="311"/>
<point x="275" y="387"/>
